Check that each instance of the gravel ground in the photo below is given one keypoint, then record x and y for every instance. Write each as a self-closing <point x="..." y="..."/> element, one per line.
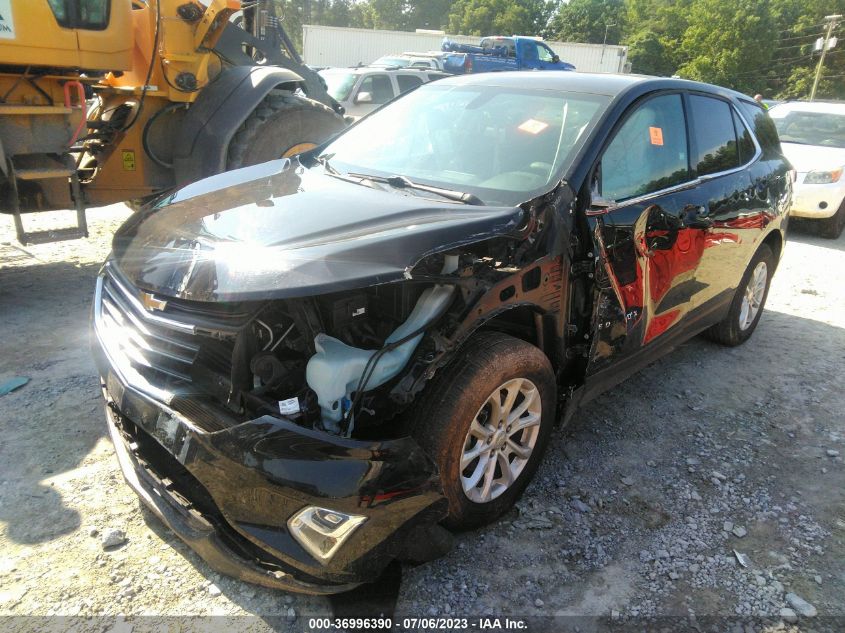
<point x="710" y="485"/>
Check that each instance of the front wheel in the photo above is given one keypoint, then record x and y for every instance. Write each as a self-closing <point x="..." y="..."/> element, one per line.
<point x="831" y="227"/>
<point x="485" y="420"/>
<point x="283" y="125"/>
<point x="749" y="300"/>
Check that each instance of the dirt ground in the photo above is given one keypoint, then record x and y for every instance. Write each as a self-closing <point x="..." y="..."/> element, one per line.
<point x="642" y="508"/>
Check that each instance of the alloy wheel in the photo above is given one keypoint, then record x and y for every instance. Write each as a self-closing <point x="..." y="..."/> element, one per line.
<point x="501" y="439"/>
<point x="752" y="298"/>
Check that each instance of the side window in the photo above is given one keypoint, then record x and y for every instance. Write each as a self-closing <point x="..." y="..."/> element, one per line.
<point x="529" y="51"/>
<point x="714" y="143"/>
<point x="407" y="82"/>
<point x="379" y="87"/>
<point x="648" y="153"/>
<point x="746" y="143"/>
<point x="546" y="54"/>
<point x="81" y="14"/>
<point x="763" y="127"/>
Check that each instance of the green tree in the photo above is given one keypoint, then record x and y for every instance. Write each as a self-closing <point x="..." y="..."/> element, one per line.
<point x="586" y="20"/>
<point x="500" y="17"/>
<point x="653" y="31"/>
<point x="726" y="43"/>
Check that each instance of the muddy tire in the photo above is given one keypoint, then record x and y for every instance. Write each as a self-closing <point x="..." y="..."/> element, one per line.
<point x="831" y="227"/>
<point x="282" y="125"/>
<point x="136" y="204"/>
<point x="748" y="302"/>
<point x="473" y="440"/>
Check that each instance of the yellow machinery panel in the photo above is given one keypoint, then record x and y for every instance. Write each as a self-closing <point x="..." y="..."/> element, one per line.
<point x="31" y="34"/>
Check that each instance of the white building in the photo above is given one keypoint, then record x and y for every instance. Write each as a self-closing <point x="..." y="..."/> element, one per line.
<point x="341" y="46"/>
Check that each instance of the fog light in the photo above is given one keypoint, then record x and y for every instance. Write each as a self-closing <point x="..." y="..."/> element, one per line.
<point x="322" y="531"/>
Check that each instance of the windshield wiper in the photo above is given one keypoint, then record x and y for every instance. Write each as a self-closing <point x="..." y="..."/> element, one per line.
<point x="403" y="182"/>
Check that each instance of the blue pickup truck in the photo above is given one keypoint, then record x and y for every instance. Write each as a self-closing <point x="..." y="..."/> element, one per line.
<point x="500" y="53"/>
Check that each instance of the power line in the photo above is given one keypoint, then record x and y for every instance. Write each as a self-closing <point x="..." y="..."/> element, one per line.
<point x="809" y="37"/>
<point x="803" y="28"/>
<point x="781" y="65"/>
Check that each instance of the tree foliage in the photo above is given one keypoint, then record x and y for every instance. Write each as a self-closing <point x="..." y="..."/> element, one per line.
<point x="764" y="46"/>
<point x="587" y="20"/>
<point x="500" y="17"/>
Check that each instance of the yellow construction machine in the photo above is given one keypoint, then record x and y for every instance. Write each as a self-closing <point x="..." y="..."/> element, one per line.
<point x="105" y="101"/>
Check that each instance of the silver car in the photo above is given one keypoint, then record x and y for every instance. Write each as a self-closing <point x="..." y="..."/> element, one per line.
<point x="362" y="90"/>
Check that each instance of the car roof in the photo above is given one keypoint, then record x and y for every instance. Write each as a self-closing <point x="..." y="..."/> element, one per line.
<point x="822" y="107"/>
<point x="610" y="84"/>
<point x="380" y="69"/>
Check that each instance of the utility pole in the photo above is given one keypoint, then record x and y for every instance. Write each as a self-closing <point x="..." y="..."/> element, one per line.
<point x="604" y="43"/>
<point x="832" y="22"/>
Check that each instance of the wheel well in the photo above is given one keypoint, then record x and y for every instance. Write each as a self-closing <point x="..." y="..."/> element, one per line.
<point x="774" y="241"/>
<point x="519" y="322"/>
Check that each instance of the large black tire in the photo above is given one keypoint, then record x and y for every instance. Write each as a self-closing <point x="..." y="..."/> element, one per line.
<point x="729" y="331"/>
<point x="832" y="227"/>
<point x="282" y="122"/>
<point x="457" y="395"/>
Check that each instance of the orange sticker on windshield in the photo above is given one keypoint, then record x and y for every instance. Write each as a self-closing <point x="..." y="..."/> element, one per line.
<point x="533" y="126"/>
<point x="656" y="135"/>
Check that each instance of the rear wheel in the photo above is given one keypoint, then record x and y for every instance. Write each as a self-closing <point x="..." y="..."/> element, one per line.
<point x="283" y="125"/>
<point x="748" y="302"/>
<point x="832" y="227"/>
<point x="486" y="420"/>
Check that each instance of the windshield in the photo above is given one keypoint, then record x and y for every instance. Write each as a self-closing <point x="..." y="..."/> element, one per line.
<point x="809" y="128"/>
<point x="338" y="84"/>
<point x="503" y="145"/>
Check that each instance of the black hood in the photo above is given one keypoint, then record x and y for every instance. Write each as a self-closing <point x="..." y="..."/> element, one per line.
<point x="279" y="230"/>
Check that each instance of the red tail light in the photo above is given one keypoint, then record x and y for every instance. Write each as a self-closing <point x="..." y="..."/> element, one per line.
<point x="468" y="64"/>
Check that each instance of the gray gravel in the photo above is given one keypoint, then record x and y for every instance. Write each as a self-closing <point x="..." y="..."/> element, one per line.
<point x="644" y="507"/>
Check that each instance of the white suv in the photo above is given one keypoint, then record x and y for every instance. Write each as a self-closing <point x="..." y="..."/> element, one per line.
<point x="812" y="136"/>
<point x="362" y="90"/>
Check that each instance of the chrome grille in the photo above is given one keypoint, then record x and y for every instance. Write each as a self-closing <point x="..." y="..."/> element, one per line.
<point x="152" y="352"/>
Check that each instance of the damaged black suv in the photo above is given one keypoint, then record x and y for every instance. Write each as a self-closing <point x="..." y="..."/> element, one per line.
<point x="312" y="365"/>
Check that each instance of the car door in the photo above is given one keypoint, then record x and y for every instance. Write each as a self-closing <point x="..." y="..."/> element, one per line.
<point x="641" y="188"/>
<point x="548" y="59"/>
<point x="723" y="208"/>
<point x="373" y="91"/>
<point x="406" y="82"/>
<point x="529" y="55"/>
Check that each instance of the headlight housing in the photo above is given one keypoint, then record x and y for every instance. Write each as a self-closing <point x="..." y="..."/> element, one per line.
<point x="322" y="531"/>
<point x="823" y="177"/>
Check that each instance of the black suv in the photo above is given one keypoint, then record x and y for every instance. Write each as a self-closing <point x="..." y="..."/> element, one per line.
<point x="313" y="365"/>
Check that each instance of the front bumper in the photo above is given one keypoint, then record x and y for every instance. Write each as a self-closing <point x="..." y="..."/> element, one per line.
<point x="816" y="201"/>
<point x="229" y="493"/>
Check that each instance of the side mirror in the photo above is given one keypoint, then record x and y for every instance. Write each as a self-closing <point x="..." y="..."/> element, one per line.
<point x="364" y="97"/>
<point x="556" y="59"/>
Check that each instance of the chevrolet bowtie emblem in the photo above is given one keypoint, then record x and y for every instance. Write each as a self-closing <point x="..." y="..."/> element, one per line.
<point x="151" y="302"/>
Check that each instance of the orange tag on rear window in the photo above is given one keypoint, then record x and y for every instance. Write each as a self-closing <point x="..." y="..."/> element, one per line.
<point x="656" y="135"/>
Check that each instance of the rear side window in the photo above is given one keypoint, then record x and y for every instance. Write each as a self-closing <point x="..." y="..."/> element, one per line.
<point x="763" y="127"/>
<point x="648" y="153"/>
<point x="407" y="82"/>
<point x="746" y="143"/>
<point x="714" y="146"/>
<point x="379" y="87"/>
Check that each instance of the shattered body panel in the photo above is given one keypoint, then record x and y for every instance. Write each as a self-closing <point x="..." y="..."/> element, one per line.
<point x="283" y="231"/>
